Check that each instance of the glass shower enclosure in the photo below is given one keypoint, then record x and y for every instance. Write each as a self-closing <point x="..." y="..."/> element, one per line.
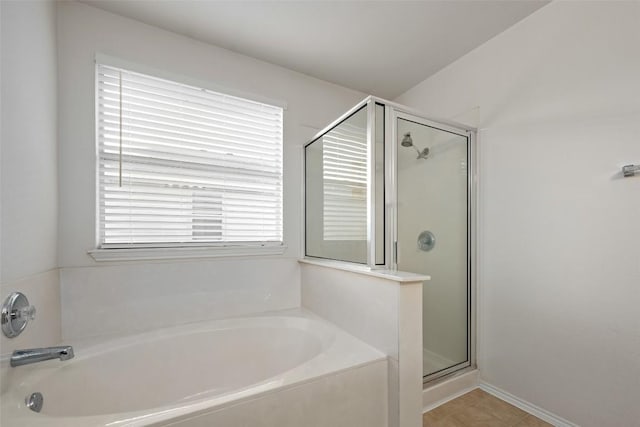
<point x="390" y="189"/>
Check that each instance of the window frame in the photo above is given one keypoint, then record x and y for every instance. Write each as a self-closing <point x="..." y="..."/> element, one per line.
<point x="169" y="250"/>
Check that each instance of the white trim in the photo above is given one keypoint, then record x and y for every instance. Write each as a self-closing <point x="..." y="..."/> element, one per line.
<point x="137" y="254"/>
<point x="302" y="250"/>
<point x="526" y="406"/>
<point x="101" y="58"/>
<point x="449" y="389"/>
<point x="371" y="185"/>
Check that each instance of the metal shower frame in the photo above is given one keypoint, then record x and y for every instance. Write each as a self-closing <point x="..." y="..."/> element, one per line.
<point x="392" y="112"/>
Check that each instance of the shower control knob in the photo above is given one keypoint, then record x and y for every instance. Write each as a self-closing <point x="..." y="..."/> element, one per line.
<point x="16" y="313"/>
<point x="25" y="313"/>
<point x="426" y="241"/>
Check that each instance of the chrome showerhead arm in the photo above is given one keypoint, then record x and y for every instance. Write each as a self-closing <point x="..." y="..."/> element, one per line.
<point x="423" y="154"/>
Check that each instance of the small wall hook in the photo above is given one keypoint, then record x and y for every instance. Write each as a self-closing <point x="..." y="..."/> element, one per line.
<point x="630" y="170"/>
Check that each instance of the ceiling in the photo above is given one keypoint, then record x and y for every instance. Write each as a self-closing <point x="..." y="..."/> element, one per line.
<point x="377" y="47"/>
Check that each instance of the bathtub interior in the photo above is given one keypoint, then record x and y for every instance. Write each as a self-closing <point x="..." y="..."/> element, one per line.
<point x="164" y="373"/>
<point x="176" y="371"/>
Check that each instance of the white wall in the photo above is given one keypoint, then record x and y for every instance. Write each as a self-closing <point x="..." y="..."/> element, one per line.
<point x="125" y="299"/>
<point x="29" y="151"/>
<point x="559" y="114"/>
<point x="82" y="32"/>
<point x="28" y="228"/>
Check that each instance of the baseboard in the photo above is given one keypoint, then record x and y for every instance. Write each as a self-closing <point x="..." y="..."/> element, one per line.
<point x="526" y="406"/>
<point x="448" y="389"/>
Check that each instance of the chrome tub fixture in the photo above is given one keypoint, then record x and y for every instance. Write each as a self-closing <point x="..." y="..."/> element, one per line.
<point x="34" y="401"/>
<point x="16" y="313"/>
<point x="34" y="355"/>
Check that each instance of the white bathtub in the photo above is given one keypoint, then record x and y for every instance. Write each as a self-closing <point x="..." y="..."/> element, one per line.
<point x="289" y="368"/>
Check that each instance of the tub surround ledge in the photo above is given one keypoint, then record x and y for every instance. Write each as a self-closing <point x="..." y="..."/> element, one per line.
<point x="401" y="277"/>
<point x="383" y="309"/>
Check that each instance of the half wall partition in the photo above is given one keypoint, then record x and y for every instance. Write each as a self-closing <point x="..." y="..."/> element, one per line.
<point x="389" y="189"/>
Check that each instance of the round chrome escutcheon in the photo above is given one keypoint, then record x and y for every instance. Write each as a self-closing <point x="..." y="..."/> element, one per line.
<point x="35" y="401"/>
<point x="426" y="241"/>
<point x="16" y="313"/>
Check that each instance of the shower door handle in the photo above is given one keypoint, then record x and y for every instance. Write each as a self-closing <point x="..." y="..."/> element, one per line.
<point x="395" y="252"/>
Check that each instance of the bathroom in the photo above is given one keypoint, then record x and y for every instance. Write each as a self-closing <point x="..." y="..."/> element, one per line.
<point x="551" y="93"/>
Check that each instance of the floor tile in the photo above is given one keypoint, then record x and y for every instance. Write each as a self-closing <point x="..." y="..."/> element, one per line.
<point x="531" y="421"/>
<point x="477" y="417"/>
<point x="500" y="409"/>
<point x="445" y="422"/>
<point x="479" y="409"/>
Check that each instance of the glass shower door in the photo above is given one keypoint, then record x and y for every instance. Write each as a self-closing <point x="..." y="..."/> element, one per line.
<point x="433" y="236"/>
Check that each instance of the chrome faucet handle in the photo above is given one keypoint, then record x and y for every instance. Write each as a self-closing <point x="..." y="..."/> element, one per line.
<point x="16" y="313"/>
<point x="25" y="313"/>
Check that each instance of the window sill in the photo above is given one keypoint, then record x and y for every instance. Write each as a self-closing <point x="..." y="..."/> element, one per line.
<point x="137" y="254"/>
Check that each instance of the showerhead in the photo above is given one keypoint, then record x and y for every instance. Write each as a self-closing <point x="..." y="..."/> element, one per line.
<point x="406" y="140"/>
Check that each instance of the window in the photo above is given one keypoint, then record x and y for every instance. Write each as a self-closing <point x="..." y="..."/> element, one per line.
<point x="183" y="166"/>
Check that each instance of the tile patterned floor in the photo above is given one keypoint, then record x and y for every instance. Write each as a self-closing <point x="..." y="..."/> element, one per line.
<point x="479" y="409"/>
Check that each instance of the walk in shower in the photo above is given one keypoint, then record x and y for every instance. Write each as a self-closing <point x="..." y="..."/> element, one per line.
<point x="390" y="189"/>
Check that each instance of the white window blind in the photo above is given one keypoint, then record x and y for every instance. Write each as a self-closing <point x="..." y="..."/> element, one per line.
<point x="185" y="166"/>
<point x="344" y="159"/>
